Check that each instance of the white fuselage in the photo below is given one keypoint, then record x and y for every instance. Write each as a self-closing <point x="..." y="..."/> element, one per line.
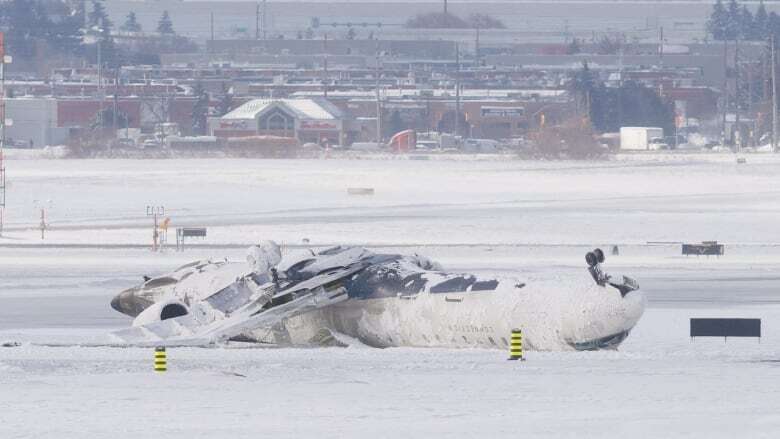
<point x="553" y="316"/>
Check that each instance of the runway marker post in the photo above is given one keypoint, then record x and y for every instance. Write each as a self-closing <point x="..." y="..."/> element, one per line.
<point x="516" y="345"/>
<point x="160" y="359"/>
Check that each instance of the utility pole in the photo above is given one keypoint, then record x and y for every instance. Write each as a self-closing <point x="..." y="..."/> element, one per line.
<point x="737" y="95"/>
<point x="378" y="102"/>
<point x="43" y="224"/>
<point x="725" y="90"/>
<point x="620" y="87"/>
<point x="774" y="97"/>
<point x="750" y="104"/>
<point x="2" y="130"/>
<point x="265" y="26"/>
<point x="476" y="46"/>
<point x="457" y="89"/>
<point x="155" y="212"/>
<point x="257" y="21"/>
<point x="116" y="101"/>
<point x="211" y="17"/>
<point x="325" y="65"/>
<point x="100" y="78"/>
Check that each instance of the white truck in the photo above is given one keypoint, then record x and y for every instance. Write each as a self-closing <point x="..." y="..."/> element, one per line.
<point x="641" y="138"/>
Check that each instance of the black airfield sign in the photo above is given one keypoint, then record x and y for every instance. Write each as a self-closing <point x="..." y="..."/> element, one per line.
<point x="725" y="327"/>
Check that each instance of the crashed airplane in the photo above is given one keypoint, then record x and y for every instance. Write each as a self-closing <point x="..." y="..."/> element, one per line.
<point x="313" y="298"/>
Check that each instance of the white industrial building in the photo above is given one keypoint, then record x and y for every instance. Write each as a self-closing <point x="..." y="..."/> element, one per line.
<point x="33" y="123"/>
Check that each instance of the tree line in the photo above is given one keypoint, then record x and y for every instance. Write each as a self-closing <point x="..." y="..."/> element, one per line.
<point x="735" y="22"/>
<point x="72" y="29"/>
<point x="629" y="104"/>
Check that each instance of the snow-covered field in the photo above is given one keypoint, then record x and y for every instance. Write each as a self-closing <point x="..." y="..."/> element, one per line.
<point x="528" y="219"/>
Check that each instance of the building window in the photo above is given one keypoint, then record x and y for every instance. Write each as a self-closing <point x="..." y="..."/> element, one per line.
<point x="277" y="121"/>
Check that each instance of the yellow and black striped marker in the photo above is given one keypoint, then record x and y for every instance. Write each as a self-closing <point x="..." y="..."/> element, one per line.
<point x="516" y="345"/>
<point x="160" y="359"/>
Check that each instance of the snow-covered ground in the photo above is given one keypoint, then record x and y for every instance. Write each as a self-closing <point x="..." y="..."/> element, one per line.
<point x="632" y="199"/>
<point x="527" y="219"/>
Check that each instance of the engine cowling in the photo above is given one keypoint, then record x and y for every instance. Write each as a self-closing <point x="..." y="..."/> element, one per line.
<point x="163" y="310"/>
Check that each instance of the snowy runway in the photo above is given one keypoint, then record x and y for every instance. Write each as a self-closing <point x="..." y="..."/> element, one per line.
<point x="704" y="389"/>
<point x="528" y="219"/>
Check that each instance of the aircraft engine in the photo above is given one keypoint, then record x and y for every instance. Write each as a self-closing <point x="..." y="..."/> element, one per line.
<point x="163" y="310"/>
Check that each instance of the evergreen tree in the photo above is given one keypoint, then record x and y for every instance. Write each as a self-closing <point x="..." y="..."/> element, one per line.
<point x="98" y="17"/>
<point x="99" y="26"/>
<point x="583" y="84"/>
<point x="716" y="25"/>
<point x="25" y="24"/>
<point x="760" y="23"/>
<point x="747" y="30"/>
<point x="131" y="23"/>
<point x="165" y="25"/>
<point x="773" y="25"/>
<point x="733" y="21"/>
<point x="574" y="47"/>
<point x="66" y="34"/>
<point x="225" y="103"/>
<point x="200" y="110"/>
<point x="395" y="125"/>
<point x="632" y="104"/>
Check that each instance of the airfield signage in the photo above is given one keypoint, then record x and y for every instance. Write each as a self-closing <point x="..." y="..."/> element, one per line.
<point x="502" y="111"/>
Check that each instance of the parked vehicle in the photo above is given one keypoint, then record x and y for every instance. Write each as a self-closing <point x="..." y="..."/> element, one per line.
<point x="641" y="138"/>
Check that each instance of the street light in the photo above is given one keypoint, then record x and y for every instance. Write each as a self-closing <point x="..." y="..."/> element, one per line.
<point x="97" y="32"/>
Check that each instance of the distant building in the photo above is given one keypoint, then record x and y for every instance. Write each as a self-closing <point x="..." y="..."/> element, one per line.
<point x="308" y="120"/>
<point x="34" y="123"/>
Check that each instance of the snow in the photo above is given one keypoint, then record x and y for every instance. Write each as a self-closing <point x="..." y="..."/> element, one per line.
<point x="659" y="385"/>
<point x="306" y="108"/>
<point x="657" y="198"/>
<point x="532" y="220"/>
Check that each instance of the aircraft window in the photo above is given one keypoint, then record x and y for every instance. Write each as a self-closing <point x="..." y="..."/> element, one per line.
<point x="504" y="340"/>
<point x="160" y="282"/>
<point x="465" y="339"/>
<point x="455" y="284"/>
<point x="493" y="342"/>
<point x="484" y="285"/>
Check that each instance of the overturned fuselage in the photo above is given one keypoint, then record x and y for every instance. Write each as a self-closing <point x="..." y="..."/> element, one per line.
<point x="382" y="300"/>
